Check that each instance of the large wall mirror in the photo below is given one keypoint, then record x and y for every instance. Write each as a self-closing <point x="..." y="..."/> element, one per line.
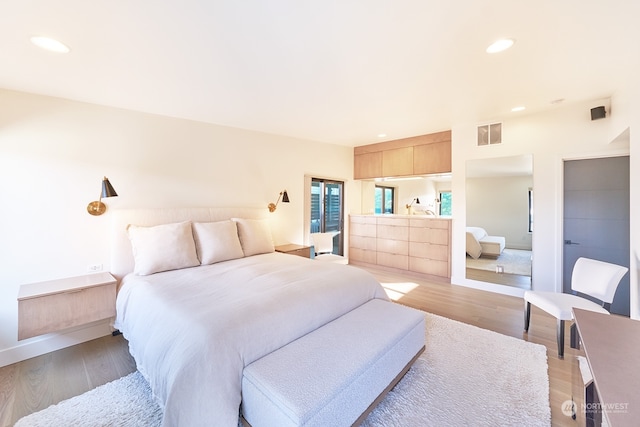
<point x="499" y="220"/>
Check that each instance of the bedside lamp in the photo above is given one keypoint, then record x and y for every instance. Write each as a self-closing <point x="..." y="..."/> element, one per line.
<point x="98" y="208"/>
<point x="285" y="199"/>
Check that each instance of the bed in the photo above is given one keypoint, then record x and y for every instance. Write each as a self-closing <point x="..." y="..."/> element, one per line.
<point x="196" y="314"/>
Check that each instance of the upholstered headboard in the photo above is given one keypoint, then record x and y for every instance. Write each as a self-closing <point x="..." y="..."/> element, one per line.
<point x="122" y="261"/>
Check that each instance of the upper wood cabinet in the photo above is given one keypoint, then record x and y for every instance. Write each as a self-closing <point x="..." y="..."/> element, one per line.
<point x="418" y="155"/>
<point x="367" y="165"/>
<point x="432" y="158"/>
<point x="397" y="162"/>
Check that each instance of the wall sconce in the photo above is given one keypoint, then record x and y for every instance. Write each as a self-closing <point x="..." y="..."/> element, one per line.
<point x="97" y="207"/>
<point x="285" y="199"/>
<point x="416" y="200"/>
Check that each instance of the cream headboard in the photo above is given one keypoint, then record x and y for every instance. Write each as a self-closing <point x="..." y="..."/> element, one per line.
<point x="122" y="261"/>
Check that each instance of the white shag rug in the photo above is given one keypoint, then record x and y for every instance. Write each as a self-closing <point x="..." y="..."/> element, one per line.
<point x="466" y="376"/>
<point x="514" y="261"/>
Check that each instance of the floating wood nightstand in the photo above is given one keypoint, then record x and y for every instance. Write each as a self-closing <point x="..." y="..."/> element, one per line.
<point x="54" y="305"/>
<point x="293" y="249"/>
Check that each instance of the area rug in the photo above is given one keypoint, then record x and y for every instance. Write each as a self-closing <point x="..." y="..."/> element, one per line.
<point x="513" y="261"/>
<point x="466" y="376"/>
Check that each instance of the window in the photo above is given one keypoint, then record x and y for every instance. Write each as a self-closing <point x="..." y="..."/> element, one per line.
<point x="531" y="210"/>
<point x="384" y="198"/>
<point x="445" y="203"/>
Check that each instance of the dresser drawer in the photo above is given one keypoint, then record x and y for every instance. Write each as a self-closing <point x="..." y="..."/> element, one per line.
<point x="429" y="251"/>
<point x="393" y="260"/>
<point x="360" y="242"/>
<point x="362" y="255"/>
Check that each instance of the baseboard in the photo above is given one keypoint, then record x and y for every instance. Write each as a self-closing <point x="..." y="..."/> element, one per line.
<point x="519" y="247"/>
<point x="51" y="342"/>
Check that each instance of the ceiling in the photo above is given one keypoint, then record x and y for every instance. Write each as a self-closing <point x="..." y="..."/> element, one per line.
<point x="340" y="72"/>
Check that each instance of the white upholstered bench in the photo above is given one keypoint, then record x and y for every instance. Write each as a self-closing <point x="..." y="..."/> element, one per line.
<point x="293" y="387"/>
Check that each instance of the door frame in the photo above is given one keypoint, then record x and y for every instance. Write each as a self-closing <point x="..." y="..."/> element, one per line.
<point x="307" y="209"/>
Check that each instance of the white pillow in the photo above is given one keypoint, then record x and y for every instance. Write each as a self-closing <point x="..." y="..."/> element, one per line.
<point x="217" y="241"/>
<point x="255" y="236"/>
<point x="162" y="247"/>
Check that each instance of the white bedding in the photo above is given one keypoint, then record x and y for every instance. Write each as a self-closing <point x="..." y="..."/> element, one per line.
<point x="192" y="331"/>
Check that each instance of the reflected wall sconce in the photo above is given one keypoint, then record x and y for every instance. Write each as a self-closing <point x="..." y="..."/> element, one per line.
<point x="416" y="200"/>
<point x="285" y="199"/>
<point x="98" y="208"/>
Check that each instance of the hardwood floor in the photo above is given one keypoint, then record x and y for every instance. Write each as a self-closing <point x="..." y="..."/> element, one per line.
<point x="516" y="280"/>
<point x="36" y="383"/>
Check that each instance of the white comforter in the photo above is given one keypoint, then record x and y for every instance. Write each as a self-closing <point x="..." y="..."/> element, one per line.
<point x="192" y="331"/>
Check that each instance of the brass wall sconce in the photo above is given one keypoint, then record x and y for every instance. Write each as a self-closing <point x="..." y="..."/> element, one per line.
<point x="416" y="200"/>
<point x="98" y="208"/>
<point x="285" y="199"/>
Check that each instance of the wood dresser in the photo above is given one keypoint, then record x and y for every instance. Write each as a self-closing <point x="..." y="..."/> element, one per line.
<point x="412" y="243"/>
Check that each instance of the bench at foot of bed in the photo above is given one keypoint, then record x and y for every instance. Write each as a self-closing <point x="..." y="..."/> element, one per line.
<point x="364" y="354"/>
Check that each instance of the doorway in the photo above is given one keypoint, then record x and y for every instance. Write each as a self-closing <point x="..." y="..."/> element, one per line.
<point x="596" y="218"/>
<point x="327" y="210"/>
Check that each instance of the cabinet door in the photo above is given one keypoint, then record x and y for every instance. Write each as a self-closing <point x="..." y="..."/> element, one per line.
<point x="397" y="162"/>
<point x="367" y="165"/>
<point x="432" y="158"/>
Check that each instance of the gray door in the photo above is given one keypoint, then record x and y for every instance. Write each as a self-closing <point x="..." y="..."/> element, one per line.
<point x="596" y="218"/>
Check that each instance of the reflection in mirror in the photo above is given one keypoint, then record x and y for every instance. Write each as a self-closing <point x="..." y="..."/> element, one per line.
<point x="499" y="220"/>
<point x="428" y="195"/>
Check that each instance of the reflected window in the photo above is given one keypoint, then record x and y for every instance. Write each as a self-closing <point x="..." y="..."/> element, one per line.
<point x="384" y="197"/>
<point x="445" y="203"/>
<point x="530" y="210"/>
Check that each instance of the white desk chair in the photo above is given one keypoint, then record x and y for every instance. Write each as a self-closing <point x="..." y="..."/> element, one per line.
<point x="597" y="279"/>
<point x="323" y="247"/>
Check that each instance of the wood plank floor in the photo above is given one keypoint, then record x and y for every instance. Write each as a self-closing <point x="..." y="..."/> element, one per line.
<point x="36" y="383"/>
<point x="515" y="280"/>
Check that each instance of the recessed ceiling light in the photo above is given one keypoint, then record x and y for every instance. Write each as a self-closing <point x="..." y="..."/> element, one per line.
<point x="519" y="108"/>
<point x="557" y="101"/>
<point x="382" y="135"/>
<point x="500" y="45"/>
<point x="50" y="44"/>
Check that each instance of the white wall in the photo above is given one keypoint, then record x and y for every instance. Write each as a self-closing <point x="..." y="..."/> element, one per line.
<point x="54" y="153"/>
<point x="566" y="132"/>
<point x="625" y="111"/>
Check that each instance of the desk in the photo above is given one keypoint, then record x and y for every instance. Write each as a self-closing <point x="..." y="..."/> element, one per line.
<point x="612" y="347"/>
